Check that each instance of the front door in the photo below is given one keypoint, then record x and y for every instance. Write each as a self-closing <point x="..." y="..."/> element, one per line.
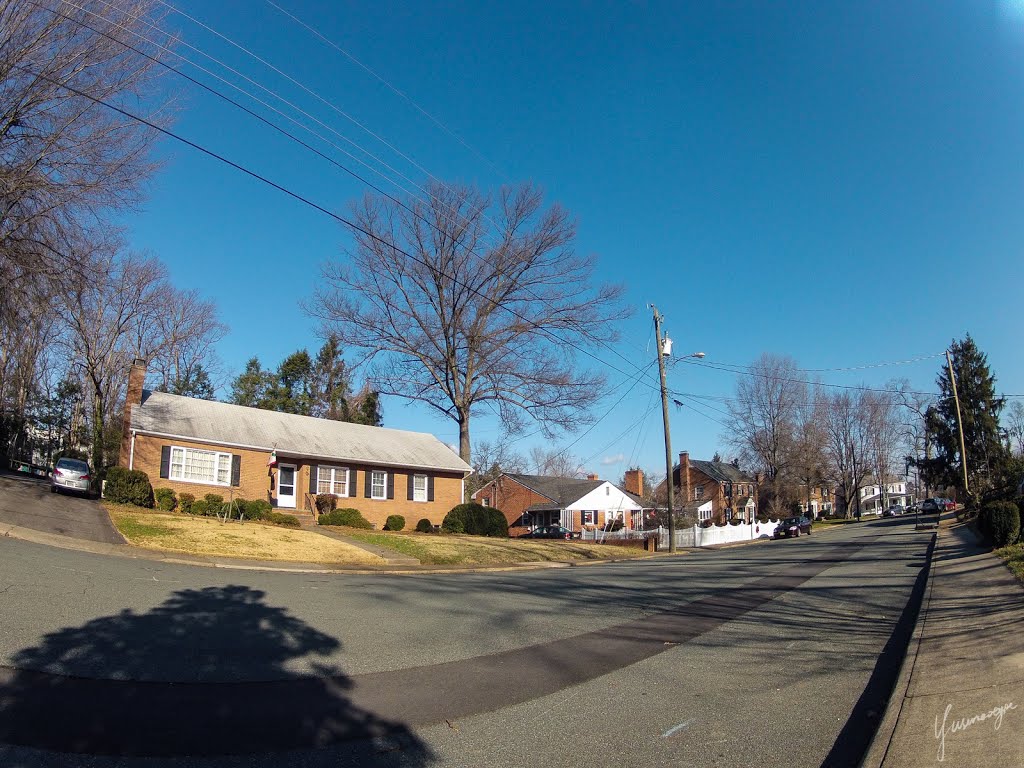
<point x="286" y="486"/>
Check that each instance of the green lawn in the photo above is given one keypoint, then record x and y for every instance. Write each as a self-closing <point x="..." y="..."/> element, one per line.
<point x="133" y="529"/>
<point x="1013" y="556"/>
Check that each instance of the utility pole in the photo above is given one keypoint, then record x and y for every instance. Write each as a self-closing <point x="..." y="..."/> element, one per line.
<point x="668" y="440"/>
<point x="959" y="423"/>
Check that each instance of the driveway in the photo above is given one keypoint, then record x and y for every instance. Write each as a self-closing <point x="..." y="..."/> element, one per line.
<point x="27" y="501"/>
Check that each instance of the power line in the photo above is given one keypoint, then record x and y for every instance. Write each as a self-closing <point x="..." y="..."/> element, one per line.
<point x="391" y="87"/>
<point x="600" y="342"/>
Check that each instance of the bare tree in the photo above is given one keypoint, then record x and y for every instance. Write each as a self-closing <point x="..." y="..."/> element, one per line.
<point x="103" y="313"/>
<point x="552" y="463"/>
<point x="180" y="337"/>
<point x="883" y="438"/>
<point x="764" y="417"/>
<point x="463" y="301"/>
<point x="809" y="461"/>
<point x="1015" y="426"/>
<point x="912" y="408"/>
<point x="847" y="449"/>
<point x="492" y="459"/>
<point x="64" y="158"/>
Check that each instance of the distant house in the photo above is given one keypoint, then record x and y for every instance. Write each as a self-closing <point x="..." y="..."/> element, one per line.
<point x="202" y="446"/>
<point x="873" y="500"/>
<point x="818" y="500"/>
<point x="530" y="501"/>
<point x="712" y="490"/>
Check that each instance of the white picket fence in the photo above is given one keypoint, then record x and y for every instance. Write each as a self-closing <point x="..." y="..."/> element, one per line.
<point x="718" y="534"/>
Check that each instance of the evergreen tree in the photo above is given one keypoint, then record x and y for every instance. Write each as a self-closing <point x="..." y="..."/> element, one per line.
<point x="195" y="382"/>
<point x="250" y="388"/>
<point x="289" y="391"/>
<point x="979" y="410"/>
<point x="329" y="385"/>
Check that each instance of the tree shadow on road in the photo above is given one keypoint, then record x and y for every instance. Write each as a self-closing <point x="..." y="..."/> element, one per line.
<point x="210" y="672"/>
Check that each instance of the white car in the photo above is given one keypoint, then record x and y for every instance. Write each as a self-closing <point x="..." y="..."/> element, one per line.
<point x="70" y="475"/>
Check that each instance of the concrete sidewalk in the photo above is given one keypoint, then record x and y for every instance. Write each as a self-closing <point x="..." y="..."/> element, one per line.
<point x="959" y="699"/>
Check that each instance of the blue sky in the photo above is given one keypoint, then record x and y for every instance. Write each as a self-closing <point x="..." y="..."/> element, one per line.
<point x="839" y="182"/>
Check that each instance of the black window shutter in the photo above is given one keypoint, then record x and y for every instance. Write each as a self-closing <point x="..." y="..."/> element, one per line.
<point x="368" y="485"/>
<point x="312" y="478"/>
<point x="430" y="487"/>
<point x="391" y="484"/>
<point x="236" y="469"/>
<point x="411" y="485"/>
<point x="165" y="461"/>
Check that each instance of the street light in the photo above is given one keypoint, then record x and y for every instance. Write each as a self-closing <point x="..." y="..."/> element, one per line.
<point x="665" y="349"/>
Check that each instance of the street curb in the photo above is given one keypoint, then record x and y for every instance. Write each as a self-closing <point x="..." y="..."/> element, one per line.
<point x="880" y="742"/>
<point x="129" y="552"/>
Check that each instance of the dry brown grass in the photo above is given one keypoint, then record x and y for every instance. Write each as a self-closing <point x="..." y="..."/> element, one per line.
<point x="250" y="540"/>
<point x="448" y="549"/>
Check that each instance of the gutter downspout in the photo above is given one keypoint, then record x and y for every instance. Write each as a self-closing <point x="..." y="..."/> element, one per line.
<point x="131" y="453"/>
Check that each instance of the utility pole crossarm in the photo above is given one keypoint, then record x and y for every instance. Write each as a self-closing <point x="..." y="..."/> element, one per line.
<point x="668" y="439"/>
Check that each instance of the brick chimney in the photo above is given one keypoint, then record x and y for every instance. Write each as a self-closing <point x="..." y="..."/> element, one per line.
<point x="634" y="482"/>
<point x="684" y="474"/>
<point x="592" y="477"/>
<point x="136" y="378"/>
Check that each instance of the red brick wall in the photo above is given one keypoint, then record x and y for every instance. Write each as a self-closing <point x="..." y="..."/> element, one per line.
<point x="511" y="498"/>
<point x="257" y="481"/>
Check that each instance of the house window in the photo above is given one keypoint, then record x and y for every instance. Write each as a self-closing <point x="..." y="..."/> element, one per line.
<point x="332" y="480"/>
<point x="378" y="484"/>
<point x="589" y="517"/>
<point x="698" y="492"/>
<point x="419" y="489"/>
<point x="486" y="501"/>
<point x="195" y="466"/>
<point x="704" y="514"/>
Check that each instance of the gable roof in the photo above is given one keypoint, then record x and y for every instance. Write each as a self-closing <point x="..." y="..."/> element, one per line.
<point x="563" y="491"/>
<point x="208" y="421"/>
<point x="719" y="471"/>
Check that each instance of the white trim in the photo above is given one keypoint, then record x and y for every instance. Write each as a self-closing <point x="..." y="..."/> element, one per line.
<point x="295" y="486"/>
<point x="216" y="467"/>
<point x="426" y="489"/>
<point x="131" y="455"/>
<point x="295" y="455"/>
<point x="384" y="494"/>
<point x="334" y="480"/>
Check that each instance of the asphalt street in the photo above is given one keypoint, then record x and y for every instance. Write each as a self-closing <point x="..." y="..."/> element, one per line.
<point x="774" y="653"/>
<point x="27" y="501"/>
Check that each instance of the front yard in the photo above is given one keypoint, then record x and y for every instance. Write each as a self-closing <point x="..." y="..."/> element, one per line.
<point x="451" y="549"/>
<point x="251" y="540"/>
<point x="1013" y="556"/>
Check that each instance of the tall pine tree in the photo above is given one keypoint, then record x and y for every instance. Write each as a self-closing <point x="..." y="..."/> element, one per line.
<point x="979" y="409"/>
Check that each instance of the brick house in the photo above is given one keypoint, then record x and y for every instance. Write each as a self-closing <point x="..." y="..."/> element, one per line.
<point x="713" y="491"/>
<point x="202" y="446"/>
<point x="530" y="501"/>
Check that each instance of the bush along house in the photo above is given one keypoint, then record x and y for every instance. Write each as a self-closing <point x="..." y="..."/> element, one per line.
<point x="532" y="501"/>
<point x="713" y="491"/>
<point x="202" y="446"/>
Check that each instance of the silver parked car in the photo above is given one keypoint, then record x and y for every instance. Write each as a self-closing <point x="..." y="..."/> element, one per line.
<point x="71" y="475"/>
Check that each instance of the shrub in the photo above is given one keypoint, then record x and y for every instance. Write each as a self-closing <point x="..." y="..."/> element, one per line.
<point x="214" y="499"/>
<point x="185" y="502"/>
<point x="353" y="518"/>
<point x="165" y="499"/>
<point x="1000" y="522"/>
<point x="476" y="520"/>
<point x="325" y="502"/>
<point x="280" y="518"/>
<point x="200" y="507"/>
<point x="394" y="523"/>
<point x="129" y="486"/>
<point x="257" y="509"/>
<point x="612" y="525"/>
<point x="424" y="526"/>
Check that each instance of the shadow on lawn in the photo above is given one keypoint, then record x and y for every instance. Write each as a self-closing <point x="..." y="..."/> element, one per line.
<point x="203" y="674"/>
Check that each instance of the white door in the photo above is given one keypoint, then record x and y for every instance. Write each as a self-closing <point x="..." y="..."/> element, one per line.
<point x="286" y="485"/>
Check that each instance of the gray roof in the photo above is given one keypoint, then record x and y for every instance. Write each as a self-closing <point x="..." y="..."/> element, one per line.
<point x="562" y="491"/>
<point x="208" y="421"/>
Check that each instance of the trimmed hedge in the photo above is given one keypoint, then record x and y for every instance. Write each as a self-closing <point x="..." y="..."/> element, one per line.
<point x="280" y="518"/>
<point x="214" y="499"/>
<point x="353" y="518"/>
<point x="1000" y="522"/>
<point x="257" y="509"/>
<point x="200" y="508"/>
<point x="394" y="523"/>
<point x="185" y="502"/>
<point x="424" y="526"/>
<point x="165" y="499"/>
<point x="128" y="486"/>
<point x="476" y="520"/>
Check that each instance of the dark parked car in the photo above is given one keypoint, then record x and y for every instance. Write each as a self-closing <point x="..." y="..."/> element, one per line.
<point x="793" y="526"/>
<point x="71" y="475"/>
<point x="933" y="505"/>
<point x="893" y="511"/>
<point x="550" y="532"/>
